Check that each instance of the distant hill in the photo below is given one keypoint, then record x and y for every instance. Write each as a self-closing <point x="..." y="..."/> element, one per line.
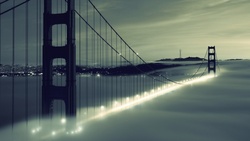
<point x="234" y="59"/>
<point x="6" y="70"/>
<point x="127" y="70"/>
<point x="183" y="59"/>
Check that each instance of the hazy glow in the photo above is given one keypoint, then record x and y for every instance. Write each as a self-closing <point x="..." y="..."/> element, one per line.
<point x="117" y="106"/>
<point x="36" y="130"/>
<point x="33" y="131"/>
<point x="63" y="120"/>
<point x="127" y="99"/>
<point x="53" y="133"/>
<point x="102" y="108"/>
<point x="137" y="96"/>
<point x="79" y="129"/>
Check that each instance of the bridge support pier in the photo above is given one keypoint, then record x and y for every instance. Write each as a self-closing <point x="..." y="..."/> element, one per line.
<point x="67" y="52"/>
<point x="211" y="62"/>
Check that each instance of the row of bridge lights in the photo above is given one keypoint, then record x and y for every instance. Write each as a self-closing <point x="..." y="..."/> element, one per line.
<point x="137" y="99"/>
<point x="130" y="102"/>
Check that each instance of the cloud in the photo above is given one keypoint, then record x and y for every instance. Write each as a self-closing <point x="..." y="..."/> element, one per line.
<point x="163" y="24"/>
<point x="218" y="3"/>
<point x="187" y="23"/>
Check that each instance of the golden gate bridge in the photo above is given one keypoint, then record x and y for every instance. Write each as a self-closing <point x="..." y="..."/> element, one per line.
<point x="73" y="67"/>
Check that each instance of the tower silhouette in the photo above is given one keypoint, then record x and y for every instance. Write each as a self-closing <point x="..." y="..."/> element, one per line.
<point x="67" y="52"/>
<point x="211" y="59"/>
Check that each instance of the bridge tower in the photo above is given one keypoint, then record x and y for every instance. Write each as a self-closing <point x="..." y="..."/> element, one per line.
<point x="50" y="92"/>
<point x="211" y="62"/>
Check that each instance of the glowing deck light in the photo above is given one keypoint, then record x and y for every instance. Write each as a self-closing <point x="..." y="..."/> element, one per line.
<point x="116" y="104"/>
<point x="63" y="121"/>
<point x="38" y="129"/>
<point x="137" y="96"/>
<point x="98" y="75"/>
<point x="117" y="107"/>
<point x="127" y="99"/>
<point x="53" y="133"/>
<point x="79" y="129"/>
<point x="33" y="131"/>
<point x="102" y="108"/>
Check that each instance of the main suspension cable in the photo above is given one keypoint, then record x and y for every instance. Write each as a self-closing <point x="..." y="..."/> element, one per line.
<point x="203" y="60"/>
<point x="115" y="50"/>
<point x="123" y="39"/>
<point x="14" y="7"/>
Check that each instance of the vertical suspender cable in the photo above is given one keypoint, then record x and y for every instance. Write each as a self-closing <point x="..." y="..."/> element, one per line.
<point x="87" y="44"/>
<point x="40" y="57"/>
<point x="107" y="66"/>
<point x="137" y="77"/>
<point x="112" y="67"/>
<point x="57" y="44"/>
<point x="94" y="58"/>
<point x="217" y="61"/>
<point x="121" y="74"/>
<point x="57" y="61"/>
<point x="103" y="63"/>
<point x="140" y="82"/>
<point x="104" y="66"/>
<point x="99" y="59"/>
<point x="60" y="44"/>
<point x="133" y="81"/>
<point x="116" y="81"/>
<point x="125" y="76"/>
<point x="62" y="35"/>
<point x="102" y="58"/>
<point x="130" y="86"/>
<point x="80" y="63"/>
<point x="13" y="63"/>
<point x="37" y="44"/>
<point x="0" y="49"/>
<point x="96" y="64"/>
<point x="26" y="61"/>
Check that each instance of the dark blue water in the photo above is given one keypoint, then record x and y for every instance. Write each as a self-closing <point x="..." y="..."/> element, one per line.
<point x="92" y="91"/>
<point x="22" y="95"/>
